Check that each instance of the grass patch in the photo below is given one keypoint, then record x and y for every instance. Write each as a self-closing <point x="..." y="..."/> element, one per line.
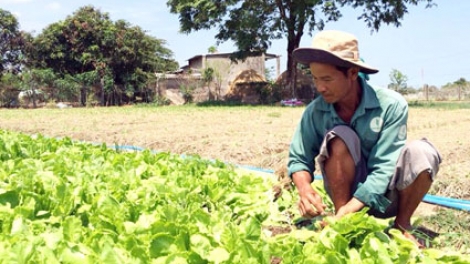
<point x="452" y="227"/>
<point x="220" y="103"/>
<point x="274" y="114"/>
<point x="447" y="105"/>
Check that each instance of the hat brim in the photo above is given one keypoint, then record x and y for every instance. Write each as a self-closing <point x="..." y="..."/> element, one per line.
<point x="309" y="55"/>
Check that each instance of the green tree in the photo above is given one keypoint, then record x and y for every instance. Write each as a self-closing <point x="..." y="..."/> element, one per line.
<point x="45" y="78"/>
<point x="122" y="55"/>
<point x="68" y="88"/>
<point x="212" y="49"/>
<point x="9" y="84"/>
<point x="253" y="24"/>
<point x="219" y="70"/>
<point x="12" y="42"/>
<point x="461" y="84"/>
<point x="33" y="79"/>
<point x="207" y="78"/>
<point x="398" y="81"/>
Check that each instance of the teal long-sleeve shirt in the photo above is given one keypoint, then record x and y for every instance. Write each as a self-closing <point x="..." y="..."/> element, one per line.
<point x="380" y="122"/>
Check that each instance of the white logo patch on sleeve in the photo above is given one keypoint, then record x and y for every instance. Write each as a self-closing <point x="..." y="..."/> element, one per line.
<point x="376" y="124"/>
<point x="402" y="132"/>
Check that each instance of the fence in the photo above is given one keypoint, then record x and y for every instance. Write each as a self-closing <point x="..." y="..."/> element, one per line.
<point x="428" y="93"/>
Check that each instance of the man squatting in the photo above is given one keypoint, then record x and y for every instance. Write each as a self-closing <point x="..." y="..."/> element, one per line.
<point x="358" y="133"/>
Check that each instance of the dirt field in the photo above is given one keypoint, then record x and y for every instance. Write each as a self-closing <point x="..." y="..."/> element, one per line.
<point x="255" y="136"/>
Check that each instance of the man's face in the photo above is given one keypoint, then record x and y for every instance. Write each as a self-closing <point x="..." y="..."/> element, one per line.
<point x="331" y="83"/>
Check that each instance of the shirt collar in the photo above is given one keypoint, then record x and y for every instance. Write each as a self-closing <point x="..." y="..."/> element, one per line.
<point x="369" y="97"/>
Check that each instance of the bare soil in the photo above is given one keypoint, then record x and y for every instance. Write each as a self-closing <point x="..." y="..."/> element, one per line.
<point x="254" y="136"/>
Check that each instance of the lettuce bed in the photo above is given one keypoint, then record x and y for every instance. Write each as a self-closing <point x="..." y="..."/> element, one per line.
<point x="68" y="202"/>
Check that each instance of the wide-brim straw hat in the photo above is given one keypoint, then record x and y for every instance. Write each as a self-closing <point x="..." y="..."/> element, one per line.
<point x="333" y="47"/>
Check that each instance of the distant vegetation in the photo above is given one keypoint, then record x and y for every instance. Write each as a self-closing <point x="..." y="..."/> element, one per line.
<point x="440" y="105"/>
<point x="86" y="58"/>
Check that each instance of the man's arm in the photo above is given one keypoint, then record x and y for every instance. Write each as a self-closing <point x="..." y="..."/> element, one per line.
<point x="303" y="150"/>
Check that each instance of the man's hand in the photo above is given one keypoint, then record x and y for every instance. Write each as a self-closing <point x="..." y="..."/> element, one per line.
<point x="354" y="205"/>
<point x="310" y="203"/>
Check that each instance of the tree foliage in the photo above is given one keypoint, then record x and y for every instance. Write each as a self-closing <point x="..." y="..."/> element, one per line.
<point x="122" y="55"/>
<point x="207" y="78"/>
<point x="12" y="42"/>
<point x="461" y="86"/>
<point x="9" y="84"/>
<point x="253" y="24"/>
<point x="461" y="82"/>
<point x="398" y="81"/>
<point x="33" y="79"/>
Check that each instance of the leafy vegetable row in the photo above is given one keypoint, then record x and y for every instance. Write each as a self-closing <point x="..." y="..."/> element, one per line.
<point x="67" y="202"/>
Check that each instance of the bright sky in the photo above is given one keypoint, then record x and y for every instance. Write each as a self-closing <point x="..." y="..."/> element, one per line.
<point x="431" y="47"/>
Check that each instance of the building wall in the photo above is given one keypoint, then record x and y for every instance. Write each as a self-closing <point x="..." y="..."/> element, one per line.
<point x="225" y="71"/>
<point x="196" y="62"/>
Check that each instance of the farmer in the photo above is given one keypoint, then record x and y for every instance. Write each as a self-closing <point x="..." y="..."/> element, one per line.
<point x="358" y="135"/>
